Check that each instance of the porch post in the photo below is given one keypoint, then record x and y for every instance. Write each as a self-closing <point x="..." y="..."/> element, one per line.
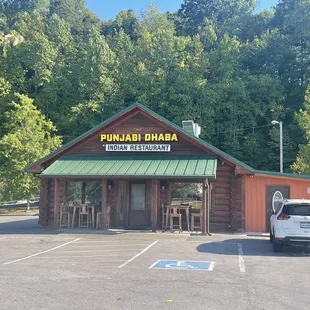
<point x="104" y="203"/>
<point x="204" y="208"/>
<point x="56" y="203"/>
<point x="154" y="203"/>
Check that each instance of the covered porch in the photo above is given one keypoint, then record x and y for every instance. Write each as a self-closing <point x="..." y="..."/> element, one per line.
<point x="131" y="192"/>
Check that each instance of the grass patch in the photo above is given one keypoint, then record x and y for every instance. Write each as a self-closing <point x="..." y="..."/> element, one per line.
<point x="19" y="211"/>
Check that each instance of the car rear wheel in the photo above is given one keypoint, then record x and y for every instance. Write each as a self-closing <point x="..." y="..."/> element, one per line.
<point x="270" y="237"/>
<point x="277" y="247"/>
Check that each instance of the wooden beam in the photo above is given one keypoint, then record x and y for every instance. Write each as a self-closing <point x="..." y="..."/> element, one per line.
<point x="104" y="195"/>
<point x="169" y="193"/>
<point x="204" y="208"/>
<point x="243" y="219"/>
<point x="56" y="203"/>
<point x="154" y="203"/>
<point x="83" y="192"/>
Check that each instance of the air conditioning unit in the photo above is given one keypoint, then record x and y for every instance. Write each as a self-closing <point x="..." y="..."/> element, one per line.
<point x="191" y="127"/>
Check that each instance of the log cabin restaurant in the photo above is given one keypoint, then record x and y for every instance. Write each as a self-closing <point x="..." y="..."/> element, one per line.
<point x="128" y="172"/>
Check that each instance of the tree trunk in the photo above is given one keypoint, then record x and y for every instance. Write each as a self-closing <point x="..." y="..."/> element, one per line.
<point x="28" y="204"/>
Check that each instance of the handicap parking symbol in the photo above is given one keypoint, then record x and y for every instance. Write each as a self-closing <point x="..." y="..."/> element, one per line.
<point x="183" y="265"/>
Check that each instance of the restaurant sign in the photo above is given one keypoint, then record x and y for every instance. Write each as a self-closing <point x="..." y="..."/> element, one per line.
<point x="138" y="147"/>
<point x="137" y="137"/>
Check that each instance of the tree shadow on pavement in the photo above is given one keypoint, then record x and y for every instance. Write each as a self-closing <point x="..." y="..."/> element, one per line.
<point x="249" y="247"/>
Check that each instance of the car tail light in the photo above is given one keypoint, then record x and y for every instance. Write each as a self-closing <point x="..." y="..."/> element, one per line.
<point x="283" y="216"/>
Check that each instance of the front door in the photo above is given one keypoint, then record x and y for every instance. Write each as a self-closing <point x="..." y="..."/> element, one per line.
<point x="274" y="194"/>
<point x="138" y="215"/>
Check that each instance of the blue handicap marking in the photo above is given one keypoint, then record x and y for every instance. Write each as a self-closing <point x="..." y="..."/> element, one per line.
<point x="183" y="265"/>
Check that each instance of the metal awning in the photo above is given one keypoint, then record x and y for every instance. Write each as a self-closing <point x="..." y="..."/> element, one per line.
<point x="138" y="166"/>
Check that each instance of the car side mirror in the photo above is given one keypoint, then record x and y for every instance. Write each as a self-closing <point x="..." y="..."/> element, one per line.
<point x="270" y="212"/>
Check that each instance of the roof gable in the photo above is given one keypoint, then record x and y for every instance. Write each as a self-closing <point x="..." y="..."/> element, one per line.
<point x="128" y="112"/>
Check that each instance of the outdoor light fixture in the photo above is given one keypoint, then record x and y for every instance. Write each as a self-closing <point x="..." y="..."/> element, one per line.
<point x="281" y="143"/>
<point x="110" y="185"/>
<point x="163" y="185"/>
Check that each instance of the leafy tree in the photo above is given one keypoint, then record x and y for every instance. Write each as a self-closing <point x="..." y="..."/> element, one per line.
<point x="126" y="21"/>
<point x="225" y="15"/>
<point x="302" y="163"/>
<point x="30" y="136"/>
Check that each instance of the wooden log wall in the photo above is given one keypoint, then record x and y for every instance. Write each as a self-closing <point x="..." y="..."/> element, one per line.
<point x="43" y="209"/>
<point x="238" y="204"/>
<point x="111" y="202"/>
<point x="163" y="200"/>
<point x="220" y="213"/>
<point x="148" y="201"/>
<point x="93" y="145"/>
<point x="50" y="201"/>
<point x="154" y="203"/>
<point x="50" y="198"/>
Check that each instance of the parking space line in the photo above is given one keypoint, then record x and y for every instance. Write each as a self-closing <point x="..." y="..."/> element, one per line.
<point x="241" y="260"/>
<point x="134" y="257"/>
<point x="52" y="249"/>
<point x="211" y="266"/>
<point x="81" y="256"/>
<point x="95" y="250"/>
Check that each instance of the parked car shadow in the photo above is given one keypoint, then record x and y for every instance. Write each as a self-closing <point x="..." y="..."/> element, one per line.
<point x="249" y="247"/>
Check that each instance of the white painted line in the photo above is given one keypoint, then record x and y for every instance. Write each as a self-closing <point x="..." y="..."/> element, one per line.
<point x="241" y="260"/>
<point x="211" y="266"/>
<point x="134" y="257"/>
<point x="2" y="238"/>
<point x="52" y="249"/>
<point x="81" y="256"/>
<point x="154" y="264"/>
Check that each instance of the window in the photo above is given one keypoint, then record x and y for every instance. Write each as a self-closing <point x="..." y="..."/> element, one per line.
<point x="83" y="192"/>
<point x="296" y="209"/>
<point x="186" y="193"/>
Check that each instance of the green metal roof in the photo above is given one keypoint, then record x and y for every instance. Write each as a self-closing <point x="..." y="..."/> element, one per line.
<point x="156" y="116"/>
<point x="142" y="166"/>
<point x="284" y="174"/>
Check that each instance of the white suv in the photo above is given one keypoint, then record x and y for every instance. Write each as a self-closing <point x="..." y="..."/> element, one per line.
<point x="290" y="224"/>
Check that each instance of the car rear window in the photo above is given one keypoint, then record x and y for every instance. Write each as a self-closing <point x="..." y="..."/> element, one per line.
<point x="295" y="209"/>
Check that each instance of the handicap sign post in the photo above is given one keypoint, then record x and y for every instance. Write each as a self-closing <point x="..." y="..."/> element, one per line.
<point x="183" y="265"/>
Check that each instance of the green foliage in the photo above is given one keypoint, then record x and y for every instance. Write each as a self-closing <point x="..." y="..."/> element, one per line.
<point x="225" y="16"/>
<point x="217" y="61"/>
<point x="30" y="136"/>
<point x="302" y="163"/>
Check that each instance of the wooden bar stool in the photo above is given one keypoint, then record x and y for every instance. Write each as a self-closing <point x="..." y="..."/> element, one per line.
<point x="175" y="213"/>
<point x="84" y="216"/>
<point x="65" y="215"/>
<point x="164" y="214"/>
<point x="194" y="218"/>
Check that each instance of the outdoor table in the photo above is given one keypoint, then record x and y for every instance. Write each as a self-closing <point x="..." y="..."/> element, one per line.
<point x="179" y="207"/>
<point x="76" y="209"/>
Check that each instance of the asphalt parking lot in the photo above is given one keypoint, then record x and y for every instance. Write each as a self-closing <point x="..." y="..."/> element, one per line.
<point x="42" y="269"/>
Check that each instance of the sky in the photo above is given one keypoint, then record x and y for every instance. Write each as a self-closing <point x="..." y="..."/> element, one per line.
<point x="107" y="9"/>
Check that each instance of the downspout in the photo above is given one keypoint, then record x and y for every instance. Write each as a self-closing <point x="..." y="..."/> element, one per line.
<point x="208" y="209"/>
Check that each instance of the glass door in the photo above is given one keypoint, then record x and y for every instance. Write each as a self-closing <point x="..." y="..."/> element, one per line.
<point x="138" y="216"/>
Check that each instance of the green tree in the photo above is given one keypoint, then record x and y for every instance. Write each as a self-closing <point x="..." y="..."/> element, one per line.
<point x="225" y="15"/>
<point x="302" y="163"/>
<point x="126" y="21"/>
<point x="30" y="136"/>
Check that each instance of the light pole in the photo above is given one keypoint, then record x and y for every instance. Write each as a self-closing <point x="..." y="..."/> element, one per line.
<point x="281" y="144"/>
